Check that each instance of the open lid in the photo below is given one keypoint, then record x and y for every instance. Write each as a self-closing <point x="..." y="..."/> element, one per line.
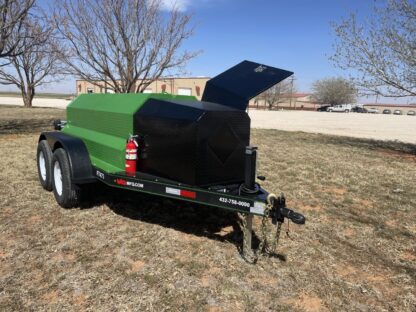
<point x="237" y="85"/>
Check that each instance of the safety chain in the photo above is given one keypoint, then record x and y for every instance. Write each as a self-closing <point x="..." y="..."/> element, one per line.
<point x="264" y="247"/>
<point x="264" y="243"/>
<point x="277" y="237"/>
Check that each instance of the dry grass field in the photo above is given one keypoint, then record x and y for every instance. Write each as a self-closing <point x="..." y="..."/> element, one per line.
<point x="122" y="251"/>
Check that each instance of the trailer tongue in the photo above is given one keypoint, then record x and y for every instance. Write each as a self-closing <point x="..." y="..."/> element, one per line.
<point x="197" y="151"/>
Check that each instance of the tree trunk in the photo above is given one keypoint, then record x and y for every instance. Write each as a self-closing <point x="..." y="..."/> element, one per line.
<point x="28" y="96"/>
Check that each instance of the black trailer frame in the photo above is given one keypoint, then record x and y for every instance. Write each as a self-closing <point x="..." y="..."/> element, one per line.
<point x="229" y="197"/>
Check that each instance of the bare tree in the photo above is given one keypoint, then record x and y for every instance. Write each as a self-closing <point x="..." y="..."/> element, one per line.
<point x="381" y="49"/>
<point x="277" y="94"/>
<point x="127" y="43"/>
<point x="36" y="64"/>
<point x="334" y="91"/>
<point x="13" y="14"/>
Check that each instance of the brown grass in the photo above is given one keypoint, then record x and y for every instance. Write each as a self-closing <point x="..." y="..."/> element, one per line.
<point x="125" y="251"/>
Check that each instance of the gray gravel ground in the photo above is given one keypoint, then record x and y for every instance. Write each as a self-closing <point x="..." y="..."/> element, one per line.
<point x="370" y="126"/>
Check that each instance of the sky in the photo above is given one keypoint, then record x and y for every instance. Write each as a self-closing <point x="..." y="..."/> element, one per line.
<point x="295" y="35"/>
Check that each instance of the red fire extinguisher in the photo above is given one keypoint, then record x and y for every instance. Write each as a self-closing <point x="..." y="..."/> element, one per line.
<point x="131" y="155"/>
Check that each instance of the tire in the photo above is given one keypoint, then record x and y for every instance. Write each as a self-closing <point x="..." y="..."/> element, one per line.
<point x="347" y="110"/>
<point x="66" y="193"/>
<point x="44" y="161"/>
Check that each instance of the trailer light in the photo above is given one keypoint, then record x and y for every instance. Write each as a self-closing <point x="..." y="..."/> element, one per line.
<point x="181" y="193"/>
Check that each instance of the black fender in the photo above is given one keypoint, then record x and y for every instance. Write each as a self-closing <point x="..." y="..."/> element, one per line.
<point x="79" y="159"/>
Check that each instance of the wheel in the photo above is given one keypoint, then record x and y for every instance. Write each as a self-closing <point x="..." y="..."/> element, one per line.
<point x="66" y="193"/>
<point x="347" y="110"/>
<point x="44" y="160"/>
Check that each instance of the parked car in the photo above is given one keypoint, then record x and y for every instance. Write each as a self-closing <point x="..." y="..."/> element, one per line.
<point x="397" y="112"/>
<point x="323" y="108"/>
<point x="340" y="108"/>
<point x="372" y="110"/>
<point x="411" y="113"/>
<point x="359" y="109"/>
<point x="387" y="111"/>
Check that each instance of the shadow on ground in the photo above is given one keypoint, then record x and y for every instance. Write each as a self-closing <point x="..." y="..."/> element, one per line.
<point x="189" y="218"/>
<point x="18" y="126"/>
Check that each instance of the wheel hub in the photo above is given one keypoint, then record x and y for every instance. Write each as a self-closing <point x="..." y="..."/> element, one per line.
<point x="57" y="177"/>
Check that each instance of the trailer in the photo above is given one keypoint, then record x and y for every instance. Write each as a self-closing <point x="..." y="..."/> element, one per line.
<point x="170" y="146"/>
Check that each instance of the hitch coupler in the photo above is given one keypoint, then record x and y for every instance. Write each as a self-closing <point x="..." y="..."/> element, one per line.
<point x="279" y="212"/>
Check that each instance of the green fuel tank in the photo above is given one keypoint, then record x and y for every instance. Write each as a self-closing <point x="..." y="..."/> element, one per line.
<point x="104" y="123"/>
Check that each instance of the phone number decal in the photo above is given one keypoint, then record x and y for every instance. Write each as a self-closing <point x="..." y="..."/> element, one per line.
<point x="234" y="202"/>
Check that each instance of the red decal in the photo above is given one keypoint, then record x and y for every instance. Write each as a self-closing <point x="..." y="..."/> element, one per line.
<point x="121" y="182"/>
<point x="188" y="194"/>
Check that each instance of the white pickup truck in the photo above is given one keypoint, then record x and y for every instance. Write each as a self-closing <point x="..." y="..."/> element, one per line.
<point x="344" y="108"/>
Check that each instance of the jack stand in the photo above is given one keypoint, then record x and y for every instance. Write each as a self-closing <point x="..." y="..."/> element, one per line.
<point x="248" y="253"/>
